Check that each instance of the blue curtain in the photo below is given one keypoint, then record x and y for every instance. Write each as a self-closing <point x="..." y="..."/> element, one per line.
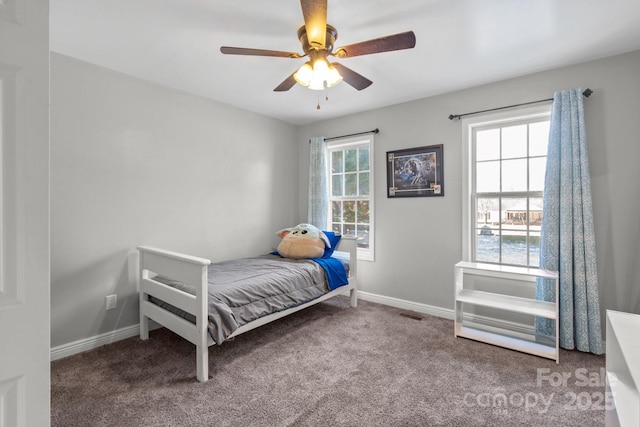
<point x="318" y="208"/>
<point x="568" y="243"/>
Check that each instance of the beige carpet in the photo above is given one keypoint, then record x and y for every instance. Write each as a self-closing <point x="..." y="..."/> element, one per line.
<point x="328" y="365"/>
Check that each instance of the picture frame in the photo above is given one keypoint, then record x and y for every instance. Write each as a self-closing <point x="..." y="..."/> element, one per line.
<point x="415" y="172"/>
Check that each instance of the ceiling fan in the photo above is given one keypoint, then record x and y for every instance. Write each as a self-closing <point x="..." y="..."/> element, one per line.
<point x="317" y="39"/>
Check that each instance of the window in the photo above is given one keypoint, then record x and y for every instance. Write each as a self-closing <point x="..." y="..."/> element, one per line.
<point x="505" y="167"/>
<point x="350" y="195"/>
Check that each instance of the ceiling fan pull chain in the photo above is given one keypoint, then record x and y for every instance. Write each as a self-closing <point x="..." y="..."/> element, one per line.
<point x="318" y="107"/>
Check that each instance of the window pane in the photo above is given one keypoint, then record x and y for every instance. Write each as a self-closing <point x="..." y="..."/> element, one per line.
<point x="350" y="160"/>
<point x="514" y="141"/>
<point x="488" y="144"/>
<point x="336" y="228"/>
<point x="336" y="185"/>
<point x="514" y="212"/>
<point x="487" y="177"/>
<point x="363" y="234"/>
<point x="336" y="162"/>
<point x="534" y="249"/>
<point x="538" y="138"/>
<point x="363" y="212"/>
<point x="349" y="211"/>
<point x="535" y="213"/>
<point x="363" y="158"/>
<point x="514" y="175"/>
<point x="336" y="211"/>
<point x="514" y="249"/>
<point x="364" y="183"/>
<point x="488" y="210"/>
<point x="350" y="184"/>
<point x="537" y="168"/>
<point x="488" y="247"/>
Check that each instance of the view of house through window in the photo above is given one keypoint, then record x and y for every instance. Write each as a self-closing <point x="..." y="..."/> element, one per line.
<point x="508" y="161"/>
<point x="351" y="200"/>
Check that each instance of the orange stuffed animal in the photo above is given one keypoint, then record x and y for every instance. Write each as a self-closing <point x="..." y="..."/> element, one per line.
<point x="302" y="241"/>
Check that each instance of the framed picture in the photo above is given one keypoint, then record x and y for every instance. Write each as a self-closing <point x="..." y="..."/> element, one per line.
<point x="415" y="172"/>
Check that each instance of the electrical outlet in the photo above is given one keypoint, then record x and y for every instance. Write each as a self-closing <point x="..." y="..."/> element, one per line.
<point x="111" y="301"/>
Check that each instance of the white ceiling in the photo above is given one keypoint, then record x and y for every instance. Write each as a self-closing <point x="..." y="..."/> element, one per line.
<point x="460" y="44"/>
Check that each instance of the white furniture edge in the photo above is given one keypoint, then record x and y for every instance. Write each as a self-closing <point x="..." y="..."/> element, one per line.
<point x="549" y="310"/>
<point x="193" y="271"/>
<point x="623" y="369"/>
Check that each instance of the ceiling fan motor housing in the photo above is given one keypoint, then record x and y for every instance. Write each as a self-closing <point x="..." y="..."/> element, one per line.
<point x="332" y="35"/>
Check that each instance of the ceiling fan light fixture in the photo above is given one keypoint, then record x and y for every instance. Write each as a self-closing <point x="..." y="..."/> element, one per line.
<point x="304" y="74"/>
<point x="317" y="83"/>
<point x="333" y="76"/>
<point x="320" y="67"/>
<point x="317" y="75"/>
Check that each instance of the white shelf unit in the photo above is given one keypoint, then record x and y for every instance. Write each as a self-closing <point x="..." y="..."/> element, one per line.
<point x="505" y="302"/>
<point x="623" y="369"/>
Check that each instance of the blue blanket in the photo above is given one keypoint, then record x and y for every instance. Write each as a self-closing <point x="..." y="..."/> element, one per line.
<point x="336" y="274"/>
<point x="333" y="268"/>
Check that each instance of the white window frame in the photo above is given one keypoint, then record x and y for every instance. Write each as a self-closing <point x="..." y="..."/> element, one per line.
<point x="347" y="143"/>
<point x="469" y="124"/>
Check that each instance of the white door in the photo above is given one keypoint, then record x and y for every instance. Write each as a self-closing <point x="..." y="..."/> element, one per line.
<point x="24" y="213"/>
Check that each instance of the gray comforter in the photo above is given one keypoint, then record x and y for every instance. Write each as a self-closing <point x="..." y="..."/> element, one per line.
<point x="246" y="289"/>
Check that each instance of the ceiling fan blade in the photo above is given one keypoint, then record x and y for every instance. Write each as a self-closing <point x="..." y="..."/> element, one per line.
<point x="406" y="40"/>
<point x="287" y="84"/>
<point x="356" y="80"/>
<point x="315" y="21"/>
<point x="228" y="50"/>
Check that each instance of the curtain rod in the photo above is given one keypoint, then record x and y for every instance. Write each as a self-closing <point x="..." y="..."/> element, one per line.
<point x="587" y="92"/>
<point x="376" y="130"/>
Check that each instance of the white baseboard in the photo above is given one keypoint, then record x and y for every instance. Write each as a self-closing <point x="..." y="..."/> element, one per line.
<point x="431" y="310"/>
<point x="444" y="312"/>
<point x="441" y="312"/>
<point x="131" y="331"/>
<point x="90" y="343"/>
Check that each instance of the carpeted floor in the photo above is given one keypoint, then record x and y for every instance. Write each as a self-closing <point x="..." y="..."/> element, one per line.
<point x="328" y="365"/>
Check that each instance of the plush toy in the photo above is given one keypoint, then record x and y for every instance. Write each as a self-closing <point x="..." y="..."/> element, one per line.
<point x="302" y="241"/>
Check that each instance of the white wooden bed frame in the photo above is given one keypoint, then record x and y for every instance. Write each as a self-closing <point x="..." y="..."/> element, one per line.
<point x="193" y="270"/>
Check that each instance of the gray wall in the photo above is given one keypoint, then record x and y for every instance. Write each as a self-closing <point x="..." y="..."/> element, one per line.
<point x="419" y="240"/>
<point x="135" y="163"/>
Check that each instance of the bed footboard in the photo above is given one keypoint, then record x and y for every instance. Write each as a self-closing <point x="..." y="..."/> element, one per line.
<point x="187" y="269"/>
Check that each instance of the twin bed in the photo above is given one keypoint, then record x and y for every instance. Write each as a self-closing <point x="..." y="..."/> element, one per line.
<point x="207" y="303"/>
